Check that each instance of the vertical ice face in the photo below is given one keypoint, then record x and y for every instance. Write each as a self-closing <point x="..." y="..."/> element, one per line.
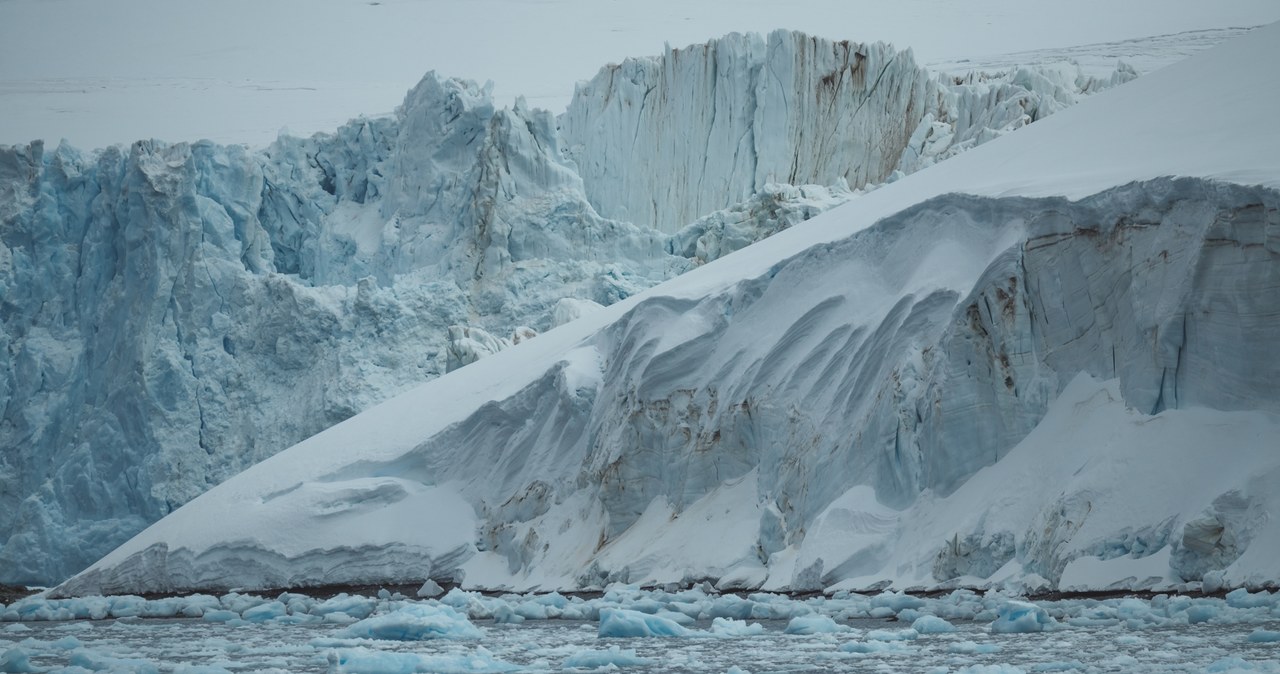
<point x="813" y="414"/>
<point x="662" y="141"/>
<point x="665" y="140"/>
<point x="176" y="312"/>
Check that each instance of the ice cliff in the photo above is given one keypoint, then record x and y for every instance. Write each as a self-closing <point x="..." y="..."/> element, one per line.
<point x="174" y="313"/>
<point x="666" y="140"/>
<point x="1044" y="363"/>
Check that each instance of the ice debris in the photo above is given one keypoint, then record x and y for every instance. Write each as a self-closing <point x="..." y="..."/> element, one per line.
<point x="614" y="655"/>
<point x="415" y="622"/>
<point x="814" y="624"/>
<point x="623" y="623"/>
<point x="1015" y="617"/>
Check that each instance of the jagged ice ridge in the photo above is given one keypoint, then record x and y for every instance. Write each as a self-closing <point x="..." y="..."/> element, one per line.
<point x="991" y="373"/>
<point x="177" y="312"/>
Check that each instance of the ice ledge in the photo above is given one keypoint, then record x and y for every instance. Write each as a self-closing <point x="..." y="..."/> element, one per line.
<point x="934" y="349"/>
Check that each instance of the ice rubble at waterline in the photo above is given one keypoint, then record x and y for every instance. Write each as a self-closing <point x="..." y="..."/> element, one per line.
<point x="178" y="312"/>
<point x="462" y="632"/>
<point x="655" y="612"/>
<point x="968" y="378"/>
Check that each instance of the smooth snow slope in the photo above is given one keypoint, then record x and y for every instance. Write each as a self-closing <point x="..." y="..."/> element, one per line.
<point x="237" y="71"/>
<point x="808" y="395"/>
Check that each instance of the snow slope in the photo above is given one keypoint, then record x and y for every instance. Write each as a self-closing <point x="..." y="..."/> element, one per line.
<point x="1042" y="352"/>
<point x="237" y="71"/>
<point x="178" y="312"/>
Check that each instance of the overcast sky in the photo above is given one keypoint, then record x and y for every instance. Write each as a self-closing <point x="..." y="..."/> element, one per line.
<point x="104" y="71"/>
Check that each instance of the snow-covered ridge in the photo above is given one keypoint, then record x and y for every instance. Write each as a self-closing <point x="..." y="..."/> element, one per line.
<point x="175" y="313"/>
<point x="922" y="387"/>
<point x="909" y="356"/>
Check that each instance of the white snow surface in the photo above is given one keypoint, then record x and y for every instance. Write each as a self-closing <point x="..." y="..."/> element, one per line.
<point x="1021" y="380"/>
<point x="238" y="71"/>
<point x="278" y="292"/>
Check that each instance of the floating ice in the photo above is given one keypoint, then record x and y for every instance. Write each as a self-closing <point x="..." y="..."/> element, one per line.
<point x="220" y="616"/>
<point x="613" y="656"/>
<point x="928" y="624"/>
<point x="414" y="622"/>
<point x="368" y="661"/>
<point x="876" y="647"/>
<point x="814" y="624"/>
<point x="430" y="589"/>
<point x="18" y="659"/>
<point x="1020" y="616"/>
<point x="892" y="635"/>
<point x="730" y="628"/>
<point x="355" y="606"/>
<point x="1263" y="637"/>
<point x="264" y="612"/>
<point x="972" y="647"/>
<point x="896" y="601"/>
<point x="1243" y="598"/>
<point x="96" y="661"/>
<point x="503" y="614"/>
<point x="626" y="623"/>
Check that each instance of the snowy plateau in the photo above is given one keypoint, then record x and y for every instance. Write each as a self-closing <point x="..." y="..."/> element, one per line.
<point x="1044" y="363"/>
<point x="178" y="312"/>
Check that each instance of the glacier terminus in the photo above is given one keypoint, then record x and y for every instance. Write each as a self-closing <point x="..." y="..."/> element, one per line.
<point x="985" y="369"/>
<point x="178" y="312"/>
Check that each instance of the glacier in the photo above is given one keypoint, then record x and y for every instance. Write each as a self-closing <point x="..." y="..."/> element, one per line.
<point x="1044" y="361"/>
<point x="175" y="313"/>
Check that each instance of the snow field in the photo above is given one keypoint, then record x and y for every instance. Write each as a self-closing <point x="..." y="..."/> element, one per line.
<point x="988" y="392"/>
<point x="356" y="286"/>
<point x="628" y="627"/>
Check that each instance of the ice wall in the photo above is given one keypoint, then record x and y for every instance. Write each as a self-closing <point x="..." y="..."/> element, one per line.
<point x="900" y="361"/>
<point x="892" y="374"/>
<point x="177" y="312"/>
<point x="665" y="140"/>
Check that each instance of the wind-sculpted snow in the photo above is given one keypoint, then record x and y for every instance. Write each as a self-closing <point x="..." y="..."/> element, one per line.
<point x="177" y="312"/>
<point x="1043" y="363"/>
<point x="915" y="353"/>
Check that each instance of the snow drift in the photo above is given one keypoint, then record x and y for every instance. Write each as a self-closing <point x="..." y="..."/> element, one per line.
<point x="176" y="313"/>
<point x="1046" y="361"/>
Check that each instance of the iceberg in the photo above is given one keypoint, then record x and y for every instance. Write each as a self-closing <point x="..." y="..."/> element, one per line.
<point x="814" y="624"/>
<point x="614" y="656"/>
<point x="413" y="622"/>
<point x="927" y="624"/>
<point x="626" y="623"/>
<point x="1017" y="617"/>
